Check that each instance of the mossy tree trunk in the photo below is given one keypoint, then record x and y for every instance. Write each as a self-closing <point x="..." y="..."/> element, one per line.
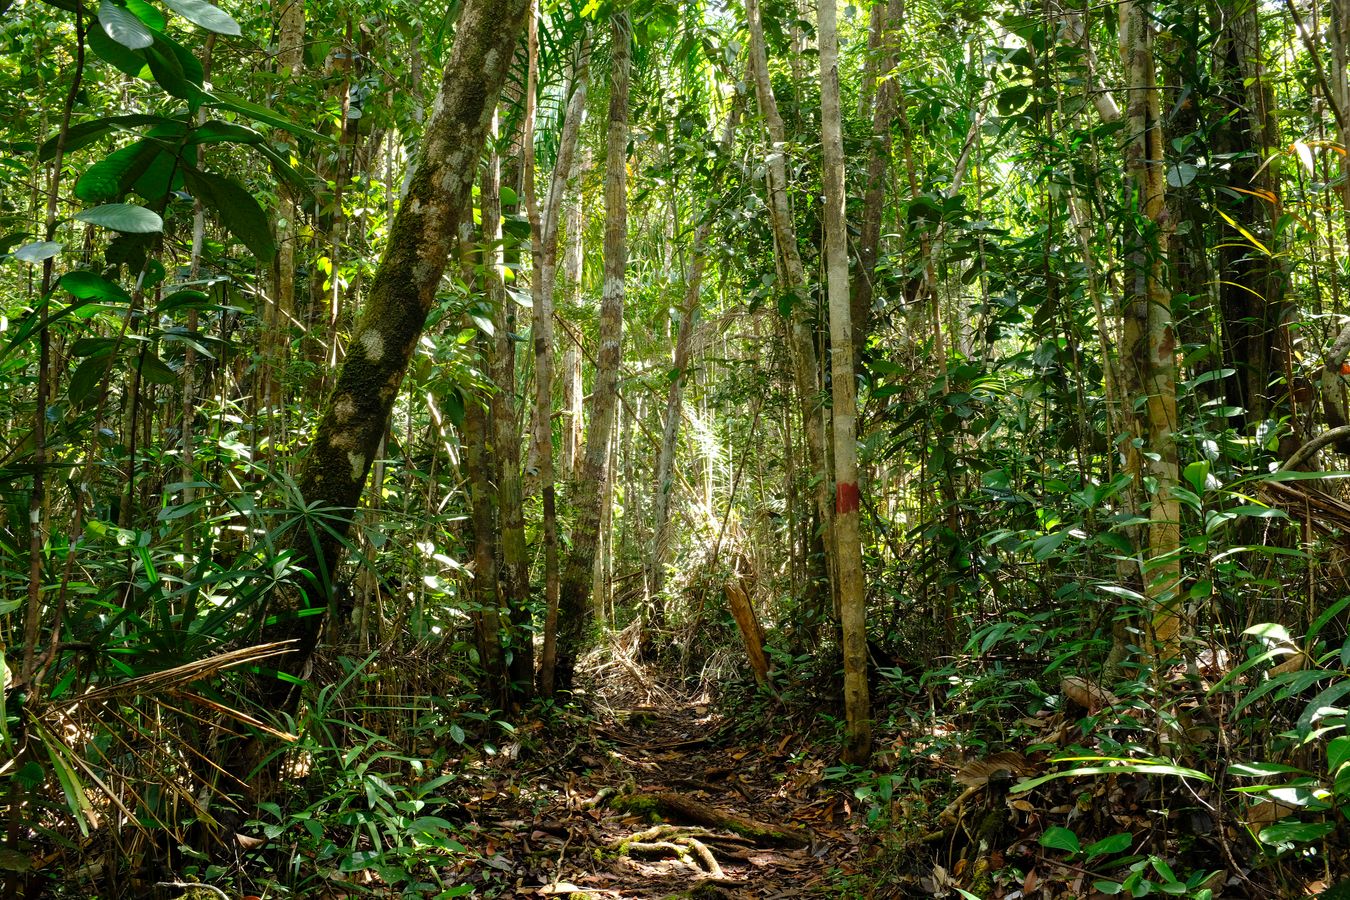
<point x="401" y="295"/>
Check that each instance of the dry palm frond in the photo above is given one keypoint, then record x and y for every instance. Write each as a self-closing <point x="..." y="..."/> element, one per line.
<point x="180" y="676"/>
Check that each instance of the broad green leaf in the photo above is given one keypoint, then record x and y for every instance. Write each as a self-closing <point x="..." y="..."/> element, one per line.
<point x="1116" y="843"/>
<point x="1196" y="474"/>
<point x="237" y="209"/>
<point x="92" y="286"/>
<point x="1058" y="838"/>
<point x="129" y="62"/>
<point x="86" y="133"/>
<point x="147" y="14"/>
<point x="168" y="72"/>
<point x="110" y="178"/>
<point x="155" y="370"/>
<point x="262" y="114"/>
<point x="212" y="18"/>
<point x="120" y="25"/>
<point x="1295" y="832"/>
<point x="37" y="251"/>
<point x="87" y="377"/>
<point x="124" y="217"/>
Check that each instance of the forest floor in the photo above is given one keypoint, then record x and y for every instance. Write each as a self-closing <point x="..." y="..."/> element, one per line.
<point x="656" y="794"/>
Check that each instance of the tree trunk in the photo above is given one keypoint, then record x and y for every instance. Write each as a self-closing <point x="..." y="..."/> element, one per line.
<point x="1252" y="283"/>
<point x="573" y="605"/>
<point x="792" y="280"/>
<point x="401" y="295"/>
<point x="1149" y="350"/>
<point x="847" y="540"/>
<point x="545" y="261"/>
<point x="884" y="18"/>
<point x="515" y="573"/>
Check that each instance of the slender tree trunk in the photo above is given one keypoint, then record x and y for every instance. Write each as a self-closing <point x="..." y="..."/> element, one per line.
<point x="844" y="411"/>
<point x="280" y="306"/>
<point x="1149" y="349"/>
<point x="545" y="261"/>
<point x="792" y="277"/>
<point x="515" y="573"/>
<point x="573" y="389"/>
<point x="884" y="18"/>
<point x="487" y="608"/>
<point x="402" y="293"/>
<point x="573" y="605"/>
<point x="1252" y="283"/>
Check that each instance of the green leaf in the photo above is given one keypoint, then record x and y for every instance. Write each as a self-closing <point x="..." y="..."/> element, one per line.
<point x="147" y="14"/>
<point x="212" y="18"/>
<point x="129" y="62"/>
<point x="85" y="133"/>
<point x="87" y="377"/>
<point x="155" y="371"/>
<point x="123" y="27"/>
<point x="264" y="115"/>
<point x="169" y="73"/>
<point x="37" y="251"/>
<point x="1196" y="474"/>
<point x="1295" y="832"/>
<point x="92" y="286"/>
<point x="111" y="177"/>
<point x="184" y="299"/>
<point x="237" y="209"/>
<point x="1116" y="843"/>
<point x="1058" y="838"/>
<point x="125" y="217"/>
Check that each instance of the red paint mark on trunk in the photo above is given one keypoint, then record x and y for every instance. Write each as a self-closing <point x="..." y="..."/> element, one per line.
<point x="846" y="498"/>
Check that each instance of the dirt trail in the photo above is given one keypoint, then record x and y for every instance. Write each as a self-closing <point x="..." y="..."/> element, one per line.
<point x="660" y="801"/>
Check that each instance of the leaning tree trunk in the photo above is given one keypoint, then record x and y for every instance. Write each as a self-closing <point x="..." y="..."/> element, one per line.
<point x="402" y="293"/>
<point x="847" y="540"/>
<point x="1149" y="349"/>
<point x="573" y="602"/>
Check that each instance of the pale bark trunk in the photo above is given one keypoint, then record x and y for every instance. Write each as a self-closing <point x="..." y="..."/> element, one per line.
<point x="545" y="256"/>
<point x="792" y="274"/>
<point x="402" y="293"/>
<point x="573" y="390"/>
<point x="847" y="539"/>
<point x="1149" y="347"/>
<point x="279" y="312"/>
<point x="573" y="601"/>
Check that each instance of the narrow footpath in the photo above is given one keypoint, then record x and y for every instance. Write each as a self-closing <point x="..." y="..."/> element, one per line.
<point x="658" y="797"/>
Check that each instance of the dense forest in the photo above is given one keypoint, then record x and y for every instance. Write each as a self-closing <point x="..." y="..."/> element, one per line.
<point x="743" y="448"/>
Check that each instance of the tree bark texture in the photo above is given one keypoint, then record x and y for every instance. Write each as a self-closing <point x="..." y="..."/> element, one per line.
<point x="844" y="410"/>
<point x="402" y="293"/>
<point x="545" y="261"/>
<point x="792" y="278"/>
<point x="573" y="604"/>
<point x="1149" y="350"/>
<point x="505" y="441"/>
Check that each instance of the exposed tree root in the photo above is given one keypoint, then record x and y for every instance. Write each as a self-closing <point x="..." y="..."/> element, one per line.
<point x="674" y="806"/>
